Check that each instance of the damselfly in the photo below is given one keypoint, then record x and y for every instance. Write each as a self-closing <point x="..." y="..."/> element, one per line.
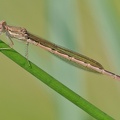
<point x="79" y="59"/>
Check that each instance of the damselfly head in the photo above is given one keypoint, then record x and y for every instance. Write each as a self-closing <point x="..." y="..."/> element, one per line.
<point x="2" y="26"/>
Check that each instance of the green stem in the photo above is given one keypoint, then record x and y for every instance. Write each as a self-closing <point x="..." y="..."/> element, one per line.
<point x="54" y="84"/>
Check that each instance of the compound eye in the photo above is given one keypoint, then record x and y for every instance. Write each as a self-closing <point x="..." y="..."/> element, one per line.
<point x="2" y="26"/>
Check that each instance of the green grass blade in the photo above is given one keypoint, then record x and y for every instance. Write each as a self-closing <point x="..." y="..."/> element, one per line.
<point x="54" y="84"/>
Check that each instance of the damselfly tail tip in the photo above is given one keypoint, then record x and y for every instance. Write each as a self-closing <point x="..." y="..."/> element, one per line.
<point x="115" y="76"/>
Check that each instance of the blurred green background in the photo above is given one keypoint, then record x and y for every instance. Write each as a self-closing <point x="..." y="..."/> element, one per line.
<point x="90" y="27"/>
